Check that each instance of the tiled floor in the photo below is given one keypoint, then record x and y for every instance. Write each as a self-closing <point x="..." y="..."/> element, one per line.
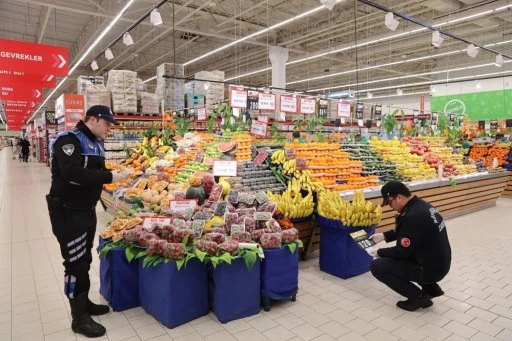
<point x="477" y="304"/>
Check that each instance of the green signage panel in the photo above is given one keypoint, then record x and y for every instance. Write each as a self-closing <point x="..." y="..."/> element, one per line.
<point x="479" y="106"/>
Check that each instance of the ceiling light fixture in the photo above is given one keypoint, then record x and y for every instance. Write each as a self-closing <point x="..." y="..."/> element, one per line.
<point x="206" y="85"/>
<point x="86" y="53"/>
<point x="94" y="65"/>
<point x="499" y="60"/>
<point x="478" y="85"/>
<point x="437" y="40"/>
<point x="433" y="89"/>
<point x="369" y="95"/>
<point x="149" y="79"/>
<point x="155" y="17"/>
<point x="108" y="54"/>
<point x="472" y="51"/>
<point x="127" y="39"/>
<point x="329" y="4"/>
<point x="399" y="92"/>
<point x="391" y="22"/>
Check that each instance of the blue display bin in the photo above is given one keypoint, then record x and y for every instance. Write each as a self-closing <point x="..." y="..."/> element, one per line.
<point x="339" y="254"/>
<point x="119" y="280"/>
<point x="174" y="297"/>
<point x="279" y="275"/>
<point x="235" y="290"/>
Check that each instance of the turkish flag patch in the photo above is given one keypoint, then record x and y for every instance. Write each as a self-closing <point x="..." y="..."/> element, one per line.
<point x="405" y="242"/>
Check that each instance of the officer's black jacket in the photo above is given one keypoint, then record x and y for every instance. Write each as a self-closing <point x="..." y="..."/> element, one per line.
<point x="75" y="185"/>
<point x="420" y="236"/>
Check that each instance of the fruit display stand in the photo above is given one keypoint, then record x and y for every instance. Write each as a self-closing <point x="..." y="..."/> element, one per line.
<point x="507" y="193"/>
<point x="113" y="205"/>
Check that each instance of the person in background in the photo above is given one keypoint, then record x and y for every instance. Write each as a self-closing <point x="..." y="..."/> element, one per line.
<point x="25" y="149"/>
<point x="78" y="174"/>
<point x="422" y="253"/>
<point x="360" y="138"/>
<point x="465" y="142"/>
<point x="296" y="136"/>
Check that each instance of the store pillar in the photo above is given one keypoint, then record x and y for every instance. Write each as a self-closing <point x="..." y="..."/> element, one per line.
<point x="278" y="56"/>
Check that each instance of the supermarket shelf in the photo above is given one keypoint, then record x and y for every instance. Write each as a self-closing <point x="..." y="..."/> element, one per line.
<point x="134" y="127"/>
<point x="138" y="118"/>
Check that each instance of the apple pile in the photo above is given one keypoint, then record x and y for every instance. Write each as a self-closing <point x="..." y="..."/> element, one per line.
<point x="422" y="148"/>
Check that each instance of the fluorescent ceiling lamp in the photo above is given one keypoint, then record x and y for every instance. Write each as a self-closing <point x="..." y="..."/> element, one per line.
<point x="260" y="32"/>
<point x="127" y="39"/>
<point x="391" y="22"/>
<point x="149" y="79"/>
<point x="399" y="92"/>
<point x="472" y="50"/>
<point x="433" y="89"/>
<point x="206" y="85"/>
<point x="108" y="54"/>
<point x="369" y="95"/>
<point x="329" y="4"/>
<point x="437" y="40"/>
<point x="155" y="18"/>
<point x="499" y="60"/>
<point x="478" y="85"/>
<point x="94" y="65"/>
<point x="86" y="53"/>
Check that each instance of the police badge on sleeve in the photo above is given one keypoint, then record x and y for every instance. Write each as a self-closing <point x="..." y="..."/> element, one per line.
<point x="68" y="149"/>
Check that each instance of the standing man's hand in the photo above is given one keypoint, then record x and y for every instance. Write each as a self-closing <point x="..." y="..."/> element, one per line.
<point x="118" y="176"/>
<point x="377" y="237"/>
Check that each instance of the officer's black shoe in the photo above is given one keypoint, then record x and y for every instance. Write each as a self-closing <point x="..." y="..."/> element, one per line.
<point x="432" y="290"/>
<point x="414" y="304"/>
<point x="94" y="309"/>
<point x="82" y="321"/>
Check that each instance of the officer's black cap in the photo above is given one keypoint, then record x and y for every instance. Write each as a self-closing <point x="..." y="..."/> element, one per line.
<point x="392" y="189"/>
<point x="102" y="111"/>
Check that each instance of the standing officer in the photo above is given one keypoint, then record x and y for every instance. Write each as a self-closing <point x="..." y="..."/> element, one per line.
<point x="422" y="253"/>
<point x="78" y="174"/>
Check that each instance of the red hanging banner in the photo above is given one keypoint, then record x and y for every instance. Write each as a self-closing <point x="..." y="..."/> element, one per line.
<point x="24" y="58"/>
<point x="35" y="81"/>
<point x="21" y="93"/>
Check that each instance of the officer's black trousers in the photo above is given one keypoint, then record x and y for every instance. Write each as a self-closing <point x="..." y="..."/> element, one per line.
<point x="398" y="274"/>
<point x="75" y="229"/>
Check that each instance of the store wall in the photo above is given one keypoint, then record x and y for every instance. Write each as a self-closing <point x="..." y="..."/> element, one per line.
<point x="406" y="102"/>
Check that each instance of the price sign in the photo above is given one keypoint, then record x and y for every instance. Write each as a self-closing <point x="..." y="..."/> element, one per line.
<point x="288" y="104"/>
<point x="237" y="228"/>
<point x="435" y="116"/>
<point x="307" y="105"/>
<point x="199" y="156"/>
<point x="201" y="114"/>
<point x="149" y="222"/>
<point x="343" y="109"/>
<point x="266" y="101"/>
<point x="359" y="110"/>
<point x="415" y="115"/>
<point x="323" y="107"/>
<point x="263" y="118"/>
<point x="198" y="227"/>
<point x="182" y="205"/>
<point x="238" y="98"/>
<point x="225" y="168"/>
<point x="461" y="120"/>
<point x="252" y="100"/>
<point x="378" y="112"/>
<point x="262" y="155"/>
<point x="259" y="128"/>
<point x="494" y="124"/>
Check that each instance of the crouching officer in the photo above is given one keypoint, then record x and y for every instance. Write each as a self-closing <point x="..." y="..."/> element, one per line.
<point x="422" y="253"/>
<point x="78" y="174"/>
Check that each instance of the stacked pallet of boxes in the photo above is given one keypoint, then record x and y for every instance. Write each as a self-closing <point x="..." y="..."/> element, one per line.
<point x="171" y="90"/>
<point x="123" y="86"/>
<point x="213" y="92"/>
<point x="84" y="82"/>
<point x="149" y="103"/>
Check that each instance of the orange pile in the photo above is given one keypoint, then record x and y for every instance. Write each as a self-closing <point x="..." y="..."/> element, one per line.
<point x="477" y="152"/>
<point x="498" y="152"/>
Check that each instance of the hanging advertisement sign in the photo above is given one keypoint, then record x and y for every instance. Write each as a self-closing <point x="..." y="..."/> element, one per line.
<point x="22" y="58"/>
<point x="494" y="124"/>
<point x="377" y="115"/>
<point x="415" y="115"/>
<point x="201" y="114"/>
<point x="259" y="128"/>
<point x="343" y="109"/>
<point x="238" y="98"/>
<point x="307" y="105"/>
<point x="323" y="107"/>
<point x="21" y="92"/>
<point x="422" y="105"/>
<point x="359" y="111"/>
<point x="288" y="104"/>
<point x="435" y="117"/>
<point x="266" y="101"/>
<point x="252" y="100"/>
<point x="49" y="119"/>
<point x="70" y="106"/>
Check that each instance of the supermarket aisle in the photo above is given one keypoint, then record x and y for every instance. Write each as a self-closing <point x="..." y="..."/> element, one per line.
<point x="477" y="305"/>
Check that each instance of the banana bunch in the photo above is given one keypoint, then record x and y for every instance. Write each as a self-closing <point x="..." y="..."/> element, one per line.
<point x="291" y="203"/>
<point x="278" y="157"/>
<point x="358" y="213"/>
<point x="289" y="167"/>
<point x="163" y="149"/>
<point x="304" y="178"/>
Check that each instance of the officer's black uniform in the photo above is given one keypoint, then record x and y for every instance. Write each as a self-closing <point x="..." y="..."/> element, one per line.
<point x="78" y="173"/>
<point x="422" y="253"/>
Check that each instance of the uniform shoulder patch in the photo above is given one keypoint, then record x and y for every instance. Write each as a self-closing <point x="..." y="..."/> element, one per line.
<point x="68" y="149"/>
<point x="405" y="242"/>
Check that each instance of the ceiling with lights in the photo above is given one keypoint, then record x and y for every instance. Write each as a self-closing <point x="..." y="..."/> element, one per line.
<point x="355" y="46"/>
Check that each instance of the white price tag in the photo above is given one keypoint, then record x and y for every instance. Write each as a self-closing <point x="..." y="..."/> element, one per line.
<point x="201" y="114"/>
<point x="288" y="104"/>
<point x="182" y="205"/>
<point x="225" y="168"/>
<point x="259" y="128"/>
<point x="307" y="105"/>
<point x="148" y="222"/>
<point x="263" y="118"/>
<point x="266" y="101"/>
<point x="238" y="98"/>
<point x="343" y="109"/>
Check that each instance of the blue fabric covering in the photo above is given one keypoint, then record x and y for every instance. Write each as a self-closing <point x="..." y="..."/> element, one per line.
<point x="339" y="254"/>
<point x="235" y="290"/>
<point x="119" y="280"/>
<point x="280" y="273"/>
<point x="174" y="297"/>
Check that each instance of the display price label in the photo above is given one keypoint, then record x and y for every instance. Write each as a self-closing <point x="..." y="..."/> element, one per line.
<point x="201" y="114"/>
<point x="266" y="101"/>
<point x="252" y="100"/>
<point x="343" y="109"/>
<point x="494" y="124"/>
<point x="415" y="115"/>
<point x="307" y="105"/>
<point x="435" y="116"/>
<point x="263" y="118"/>
<point x="225" y="168"/>
<point x="237" y="228"/>
<point x="149" y="222"/>
<point x="262" y="155"/>
<point x="288" y="104"/>
<point x="359" y="110"/>
<point x="259" y="128"/>
<point x="378" y="112"/>
<point x="182" y="205"/>
<point x="199" y="156"/>
<point x="238" y="98"/>
<point x="323" y="107"/>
